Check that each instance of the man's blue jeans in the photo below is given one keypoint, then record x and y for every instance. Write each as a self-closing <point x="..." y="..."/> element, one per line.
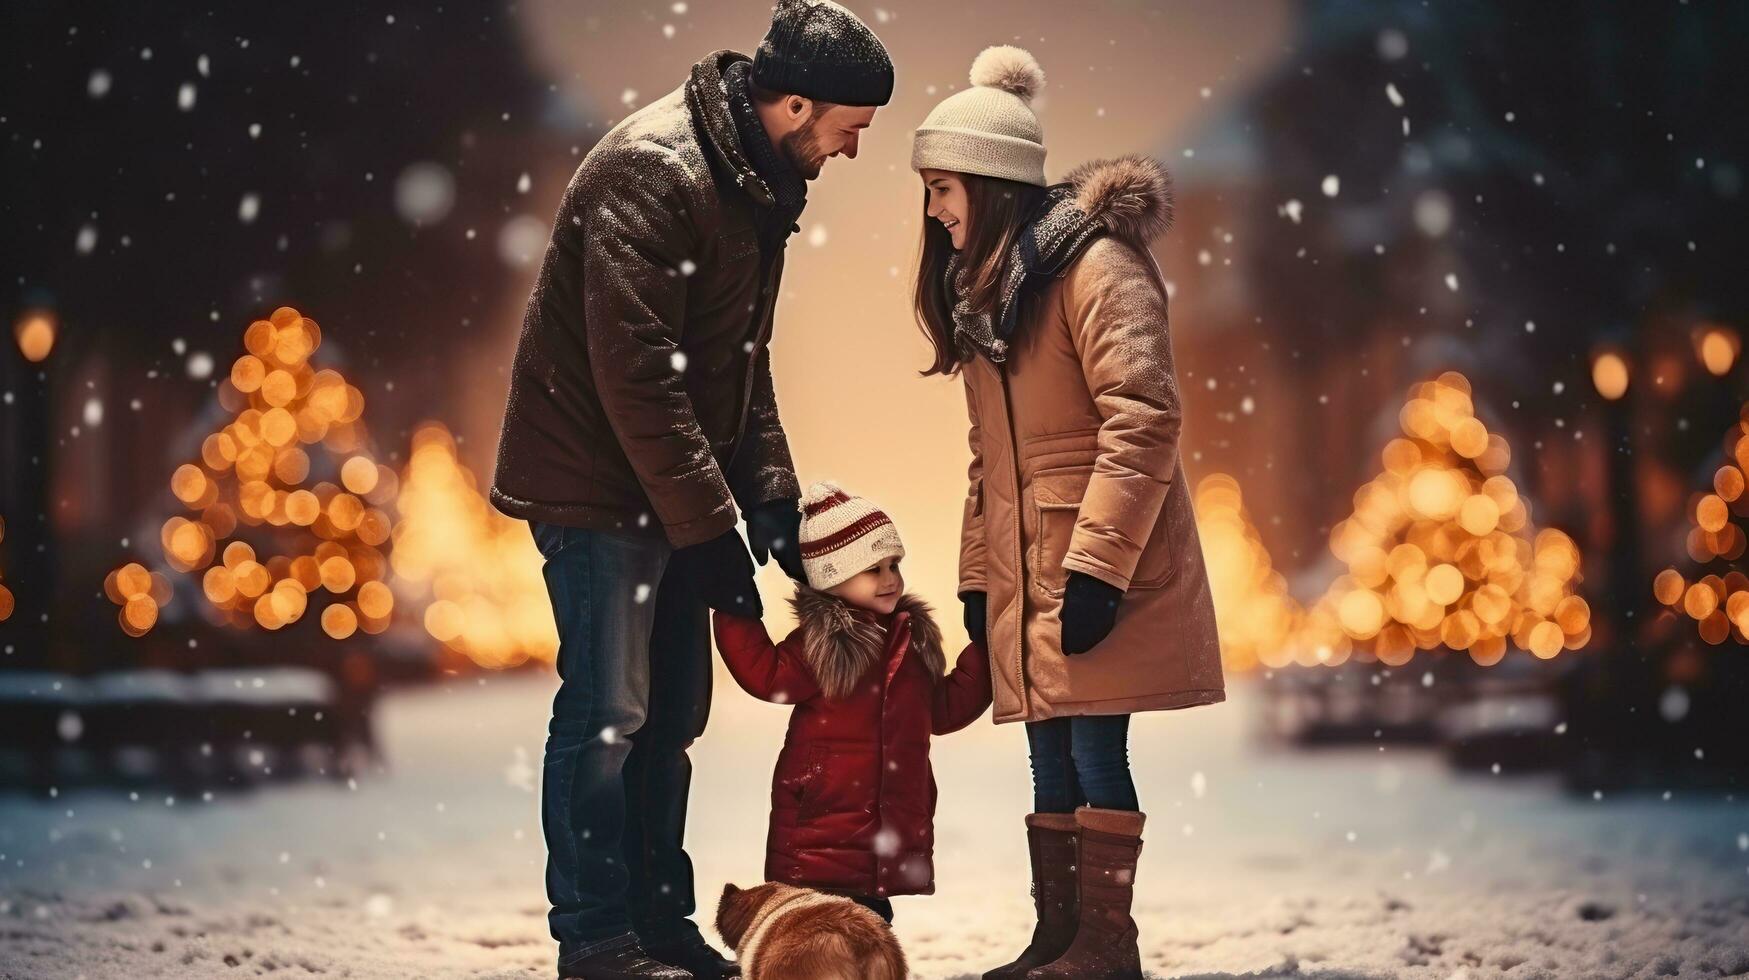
<point x="635" y="668"/>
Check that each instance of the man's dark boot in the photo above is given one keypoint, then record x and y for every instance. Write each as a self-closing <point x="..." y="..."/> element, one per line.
<point x="1105" y="945"/>
<point x="1050" y="839"/>
<point x="690" y="952"/>
<point x="626" y="960"/>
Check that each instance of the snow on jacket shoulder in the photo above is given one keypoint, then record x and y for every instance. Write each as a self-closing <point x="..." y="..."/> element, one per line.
<point x="641" y="398"/>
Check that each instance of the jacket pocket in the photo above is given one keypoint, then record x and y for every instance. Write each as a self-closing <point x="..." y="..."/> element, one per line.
<point x="1055" y="498"/>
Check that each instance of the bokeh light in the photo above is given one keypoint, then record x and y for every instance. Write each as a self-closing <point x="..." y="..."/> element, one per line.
<point x="1718" y="605"/>
<point x="35" y="333"/>
<point x="1609" y="374"/>
<point x="1439" y="551"/>
<point x="478" y="570"/>
<point x="1717" y="347"/>
<point x="250" y="481"/>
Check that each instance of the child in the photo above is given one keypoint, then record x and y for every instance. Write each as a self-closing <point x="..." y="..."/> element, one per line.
<point x="853" y="798"/>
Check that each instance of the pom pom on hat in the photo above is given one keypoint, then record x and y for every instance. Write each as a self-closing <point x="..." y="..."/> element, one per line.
<point x="1011" y="69"/>
<point x="990" y="128"/>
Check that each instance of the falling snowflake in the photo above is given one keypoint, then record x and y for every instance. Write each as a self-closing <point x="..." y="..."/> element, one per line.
<point x="424" y="193"/>
<point x="519" y="774"/>
<point x="1291" y="210"/>
<point x="1673" y="704"/>
<point x="249" y="208"/>
<point x="1393" y="44"/>
<point x="678" y="361"/>
<point x="1332" y="185"/>
<point x="185" y="96"/>
<point x="523" y="183"/>
<point x="817" y="235"/>
<point x="200" y="365"/>
<point x="87" y="240"/>
<point x="521" y="240"/>
<point x="98" y="85"/>
<point x="1433" y="213"/>
<point x="886" y="842"/>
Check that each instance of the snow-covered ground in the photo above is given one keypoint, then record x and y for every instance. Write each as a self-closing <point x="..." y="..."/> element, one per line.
<point x="1259" y="862"/>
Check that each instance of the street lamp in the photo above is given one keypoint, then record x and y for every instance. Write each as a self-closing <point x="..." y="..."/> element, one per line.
<point x="35" y="333"/>
<point x="25" y="447"/>
<point x="1717" y="347"/>
<point x="1609" y="373"/>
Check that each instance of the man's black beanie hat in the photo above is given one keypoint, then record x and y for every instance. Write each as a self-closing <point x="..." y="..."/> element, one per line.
<point x="819" y="50"/>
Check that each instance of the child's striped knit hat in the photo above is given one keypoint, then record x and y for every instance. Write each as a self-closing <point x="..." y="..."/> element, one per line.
<point x="842" y="535"/>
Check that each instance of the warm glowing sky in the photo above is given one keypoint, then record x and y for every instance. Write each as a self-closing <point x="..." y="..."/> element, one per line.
<point x="1122" y="77"/>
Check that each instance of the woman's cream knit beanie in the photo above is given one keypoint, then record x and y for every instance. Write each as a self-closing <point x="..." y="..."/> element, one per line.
<point x="988" y="129"/>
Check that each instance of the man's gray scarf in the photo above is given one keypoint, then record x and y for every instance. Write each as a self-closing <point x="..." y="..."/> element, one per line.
<point x="788" y="189"/>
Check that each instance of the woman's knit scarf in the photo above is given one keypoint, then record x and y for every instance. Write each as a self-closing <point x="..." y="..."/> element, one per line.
<point x="1054" y="235"/>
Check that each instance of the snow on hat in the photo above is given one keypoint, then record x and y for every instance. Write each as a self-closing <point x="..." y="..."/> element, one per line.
<point x="842" y="535"/>
<point x="819" y="50"/>
<point x="988" y="129"/>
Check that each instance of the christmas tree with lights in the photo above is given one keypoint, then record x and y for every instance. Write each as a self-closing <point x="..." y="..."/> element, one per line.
<point x="293" y="542"/>
<point x="1718" y="603"/>
<point x="1441" y="552"/>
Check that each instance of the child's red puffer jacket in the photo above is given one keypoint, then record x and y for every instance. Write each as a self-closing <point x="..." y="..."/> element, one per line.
<point x="853" y="798"/>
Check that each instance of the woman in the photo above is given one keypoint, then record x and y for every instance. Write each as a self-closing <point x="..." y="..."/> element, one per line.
<point x="1080" y="560"/>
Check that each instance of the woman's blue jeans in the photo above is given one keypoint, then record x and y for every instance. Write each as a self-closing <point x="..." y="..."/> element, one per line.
<point x="1081" y="761"/>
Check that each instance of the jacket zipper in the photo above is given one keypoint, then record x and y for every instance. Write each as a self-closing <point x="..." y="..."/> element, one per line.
<point x="1019" y="549"/>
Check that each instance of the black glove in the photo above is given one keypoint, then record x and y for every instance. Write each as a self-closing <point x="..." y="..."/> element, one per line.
<point x="722" y="575"/>
<point x="1089" y="612"/>
<point x="977" y="616"/>
<point x="774" y="530"/>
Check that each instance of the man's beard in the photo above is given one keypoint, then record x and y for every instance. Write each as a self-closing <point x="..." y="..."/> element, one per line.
<point x="802" y="147"/>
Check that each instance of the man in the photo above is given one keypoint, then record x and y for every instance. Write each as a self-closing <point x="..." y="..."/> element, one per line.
<point x="641" y="417"/>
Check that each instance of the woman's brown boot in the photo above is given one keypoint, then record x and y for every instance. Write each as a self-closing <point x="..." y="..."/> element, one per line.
<point x="1050" y="837"/>
<point x="1105" y="938"/>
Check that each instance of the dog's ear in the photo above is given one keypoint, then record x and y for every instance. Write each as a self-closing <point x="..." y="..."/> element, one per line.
<point x="734" y="913"/>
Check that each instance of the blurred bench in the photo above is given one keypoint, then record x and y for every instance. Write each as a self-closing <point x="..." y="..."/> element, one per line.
<point x="207" y="728"/>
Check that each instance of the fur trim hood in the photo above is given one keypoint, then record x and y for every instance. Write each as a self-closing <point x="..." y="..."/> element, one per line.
<point x="1128" y="198"/>
<point x="1131" y="197"/>
<point x="841" y="643"/>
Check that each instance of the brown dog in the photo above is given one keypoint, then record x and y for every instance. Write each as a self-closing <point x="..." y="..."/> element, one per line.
<point x="781" y="932"/>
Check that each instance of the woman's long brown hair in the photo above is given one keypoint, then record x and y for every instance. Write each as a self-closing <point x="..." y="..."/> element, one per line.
<point x="999" y="208"/>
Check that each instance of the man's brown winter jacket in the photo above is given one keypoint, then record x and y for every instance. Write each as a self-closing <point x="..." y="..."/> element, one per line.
<point x="641" y="395"/>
